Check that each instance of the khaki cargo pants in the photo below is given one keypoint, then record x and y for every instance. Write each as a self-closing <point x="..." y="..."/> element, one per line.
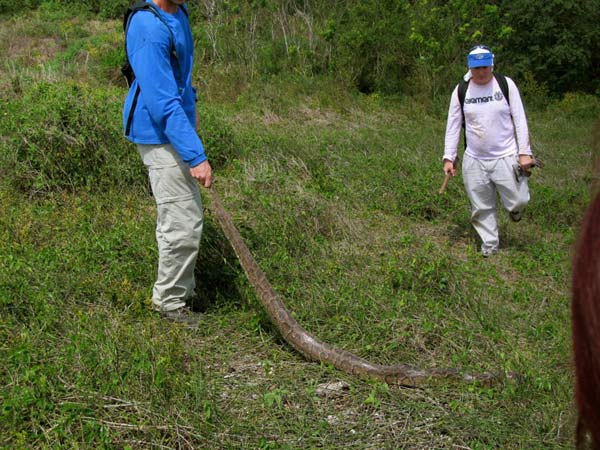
<point x="178" y="225"/>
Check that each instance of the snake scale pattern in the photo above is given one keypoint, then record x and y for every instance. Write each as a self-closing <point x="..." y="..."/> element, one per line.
<point x="308" y="345"/>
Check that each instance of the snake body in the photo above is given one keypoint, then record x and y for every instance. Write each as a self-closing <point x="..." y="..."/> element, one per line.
<point x="308" y="345"/>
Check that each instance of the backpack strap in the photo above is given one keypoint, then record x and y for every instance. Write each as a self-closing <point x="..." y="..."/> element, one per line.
<point x="127" y="70"/>
<point x="501" y="79"/>
<point x="142" y="5"/>
<point x="183" y="7"/>
<point x="132" y="9"/>
<point x="462" y="92"/>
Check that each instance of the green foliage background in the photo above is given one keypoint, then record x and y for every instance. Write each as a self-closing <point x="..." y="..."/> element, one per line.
<point x="388" y="46"/>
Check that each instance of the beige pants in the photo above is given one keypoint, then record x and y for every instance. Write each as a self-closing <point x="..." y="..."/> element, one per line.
<point x="178" y="225"/>
<point x="483" y="179"/>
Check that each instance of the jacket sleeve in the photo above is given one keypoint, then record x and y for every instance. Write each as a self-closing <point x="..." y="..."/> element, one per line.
<point x="520" y="121"/>
<point x="453" y="127"/>
<point x="151" y="61"/>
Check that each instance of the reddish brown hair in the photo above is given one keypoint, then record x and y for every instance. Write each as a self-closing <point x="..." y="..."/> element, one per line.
<point x="585" y="310"/>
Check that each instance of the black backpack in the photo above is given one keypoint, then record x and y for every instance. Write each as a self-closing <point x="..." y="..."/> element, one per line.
<point x="126" y="69"/>
<point x="462" y="92"/>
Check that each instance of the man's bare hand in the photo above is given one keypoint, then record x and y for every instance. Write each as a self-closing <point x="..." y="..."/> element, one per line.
<point x="203" y="173"/>
<point x="526" y="162"/>
<point x="449" y="167"/>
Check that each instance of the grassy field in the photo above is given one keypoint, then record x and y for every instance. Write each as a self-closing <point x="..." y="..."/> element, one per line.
<point x="336" y="196"/>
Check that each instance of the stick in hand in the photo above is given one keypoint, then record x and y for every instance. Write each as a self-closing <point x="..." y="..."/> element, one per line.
<point x="449" y="174"/>
<point x="444" y="183"/>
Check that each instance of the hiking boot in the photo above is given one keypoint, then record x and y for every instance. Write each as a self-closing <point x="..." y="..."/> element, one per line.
<point x="183" y="315"/>
<point x="515" y="216"/>
<point x="487" y="252"/>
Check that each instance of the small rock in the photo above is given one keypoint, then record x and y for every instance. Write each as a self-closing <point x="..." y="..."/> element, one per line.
<point x="332" y="389"/>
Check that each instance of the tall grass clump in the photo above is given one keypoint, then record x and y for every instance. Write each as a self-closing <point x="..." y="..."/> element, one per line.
<point x="66" y="136"/>
<point x="104" y="8"/>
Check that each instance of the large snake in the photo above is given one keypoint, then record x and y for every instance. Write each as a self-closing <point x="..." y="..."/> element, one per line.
<point x="312" y="348"/>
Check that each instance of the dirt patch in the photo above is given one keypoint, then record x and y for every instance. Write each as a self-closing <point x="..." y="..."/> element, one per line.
<point x="18" y="45"/>
<point x="270" y="118"/>
<point x="318" y="116"/>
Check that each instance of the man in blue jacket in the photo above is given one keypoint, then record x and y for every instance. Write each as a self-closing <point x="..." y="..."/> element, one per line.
<point x="160" y="116"/>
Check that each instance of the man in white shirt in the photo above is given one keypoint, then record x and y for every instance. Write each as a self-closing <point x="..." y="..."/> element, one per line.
<point x="497" y="151"/>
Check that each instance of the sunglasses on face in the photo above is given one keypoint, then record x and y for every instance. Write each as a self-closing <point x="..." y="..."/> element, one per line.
<point x="483" y="47"/>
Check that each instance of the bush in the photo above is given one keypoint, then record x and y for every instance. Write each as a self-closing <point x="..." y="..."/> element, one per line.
<point x="104" y="8"/>
<point x="386" y="46"/>
<point x="372" y="45"/>
<point x="65" y="136"/>
<point x="578" y="106"/>
<point x="112" y="9"/>
<point x="217" y="137"/>
<point x="11" y="7"/>
<point x="557" y="40"/>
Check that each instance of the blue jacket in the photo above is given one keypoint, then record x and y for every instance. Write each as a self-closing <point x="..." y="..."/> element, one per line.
<point x="165" y="111"/>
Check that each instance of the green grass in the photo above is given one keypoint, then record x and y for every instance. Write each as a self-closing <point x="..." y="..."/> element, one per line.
<point x="336" y="196"/>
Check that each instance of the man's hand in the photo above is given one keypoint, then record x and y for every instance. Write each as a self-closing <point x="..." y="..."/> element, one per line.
<point x="203" y="173"/>
<point x="449" y="167"/>
<point x="526" y="162"/>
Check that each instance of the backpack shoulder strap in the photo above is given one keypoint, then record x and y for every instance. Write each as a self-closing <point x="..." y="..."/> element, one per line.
<point x="140" y="5"/>
<point x="127" y="70"/>
<point x="185" y="11"/>
<point x="501" y="79"/>
<point x="462" y="92"/>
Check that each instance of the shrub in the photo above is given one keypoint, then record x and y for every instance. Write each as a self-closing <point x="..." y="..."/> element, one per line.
<point x="557" y="40"/>
<point x="217" y="136"/>
<point x="579" y="106"/>
<point x="11" y="7"/>
<point x="386" y="46"/>
<point x="66" y="136"/>
<point x="371" y="46"/>
<point x="105" y="8"/>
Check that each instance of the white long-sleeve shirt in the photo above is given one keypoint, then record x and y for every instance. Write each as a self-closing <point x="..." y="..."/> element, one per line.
<point x="491" y="124"/>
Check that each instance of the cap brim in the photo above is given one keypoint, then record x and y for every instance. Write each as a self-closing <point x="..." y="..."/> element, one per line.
<point x="480" y="64"/>
<point x="480" y="61"/>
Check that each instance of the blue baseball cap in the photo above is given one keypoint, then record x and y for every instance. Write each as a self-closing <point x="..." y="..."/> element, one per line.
<point x="480" y="56"/>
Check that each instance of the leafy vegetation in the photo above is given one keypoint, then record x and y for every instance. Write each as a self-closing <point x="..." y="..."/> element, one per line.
<point x="334" y="191"/>
<point x="387" y="46"/>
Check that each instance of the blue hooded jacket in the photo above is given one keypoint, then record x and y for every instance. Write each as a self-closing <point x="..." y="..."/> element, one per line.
<point x="165" y="111"/>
